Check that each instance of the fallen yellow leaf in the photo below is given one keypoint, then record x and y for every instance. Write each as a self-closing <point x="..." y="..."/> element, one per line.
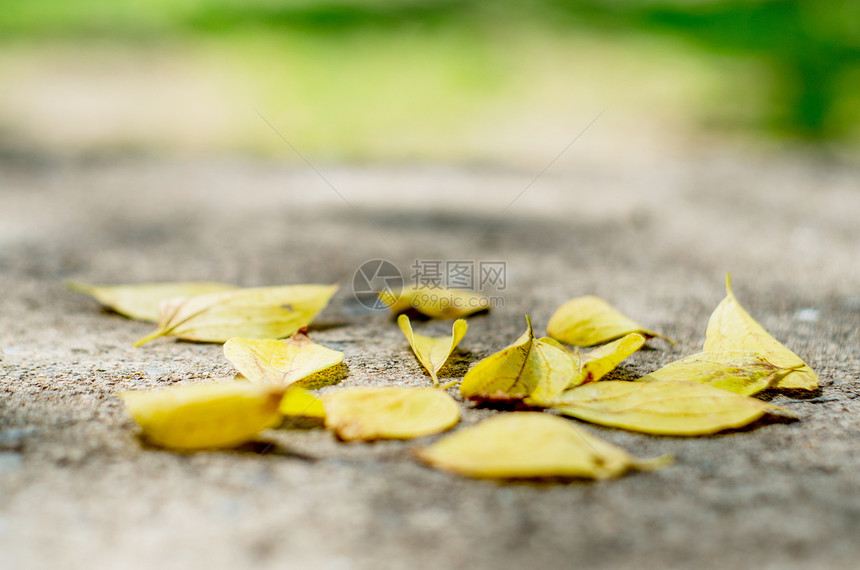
<point x="531" y="445"/>
<point x="530" y="367"/>
<point x="604" y="359"/>
<point x="298" y="402"/>
<point x="740" y="372"/>
<point x="588" y="321"/>
<point x="436" y="303"/>
<point x="433" y="352"/>
<point x="667" y="408"/>
<point x="732" y="328"/>
<point x="294" y="360"/>
<point x="262" y="312"/>
<point x="389" y="413"/>
<point x="203" y="416"/>
<point x="141" y="302"/>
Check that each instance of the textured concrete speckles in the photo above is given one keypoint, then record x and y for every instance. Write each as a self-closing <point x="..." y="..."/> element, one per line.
<point x="655" y="243"/>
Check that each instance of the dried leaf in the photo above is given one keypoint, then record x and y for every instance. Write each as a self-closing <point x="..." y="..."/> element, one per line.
<point x="141" y="302"/>
<point x="433" y="352"/>
<point x="263" y="312"/>
<point x="588" y="321"/>
<point x="740" y="372"/>
<point x="732" y="328"/>
<point x="530" y="367"/>
<point x="604" y="359"/>
<point x="389" y="413"/>
<point x="298" y="402"/>
<point x="436" y="303"/>
<point x="668" y="408"/>
<point x="294" y="360"/>
<point x="531" y="445"/>
<point x="204" y="415"/>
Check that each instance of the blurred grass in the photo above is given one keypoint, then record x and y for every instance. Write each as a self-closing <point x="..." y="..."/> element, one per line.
<point x="418" y="79"/>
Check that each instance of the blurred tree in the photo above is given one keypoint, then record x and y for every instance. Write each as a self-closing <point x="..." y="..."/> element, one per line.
<point x="811" y="46"/>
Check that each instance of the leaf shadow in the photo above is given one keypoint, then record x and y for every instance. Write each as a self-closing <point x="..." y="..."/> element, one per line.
<point x="794" y="395"/>
<point x="505" y="406"/>
<point x="303" y="423"/>
<point x="415" y="315"/>
<point x="328" y="377"/>
<point x="457" y="364"/>
<point x="546" y="481"/>
<point x="263" y="447"/>
<point x="326" y="325"/>
<point x="621" y="373"/>
<point x="254" y="447"/>
<point x="766" y="420"/>
<point x="107" y="311"/>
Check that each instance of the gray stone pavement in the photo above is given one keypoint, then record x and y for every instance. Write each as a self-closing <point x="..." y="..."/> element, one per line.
<point x="655" y="237"/>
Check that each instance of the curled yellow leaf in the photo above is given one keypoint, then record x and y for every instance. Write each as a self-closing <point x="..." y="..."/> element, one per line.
<point x="141" y="302"/>
<point x="262" y="312"/>
<point x="389" y="413"/>
<point x="732" y="328"/>
<point x="588" y="321"/>
<point x="294" y="360"/>
<point x="604" y="359"/>
<point x="530" y="367"/>
<point x="667" y="408"/>
<point x="741" y="372"/>
<point x="530" y="445"/>
<point x="298" y="402"/>
<point x="436" y="303"/>
<point x="433" y="352"/>
<point x="202" y="416"/>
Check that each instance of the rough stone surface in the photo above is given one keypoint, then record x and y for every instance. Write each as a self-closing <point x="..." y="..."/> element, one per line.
<point x="77" y="489"/>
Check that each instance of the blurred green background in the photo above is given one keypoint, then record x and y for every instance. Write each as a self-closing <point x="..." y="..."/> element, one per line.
<point x="383" y="80"/>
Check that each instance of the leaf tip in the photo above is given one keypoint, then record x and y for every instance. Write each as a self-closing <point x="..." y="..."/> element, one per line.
<point x="670" y="340"/>
<point x="78" y="287"/>
<point x="655" y="463"/>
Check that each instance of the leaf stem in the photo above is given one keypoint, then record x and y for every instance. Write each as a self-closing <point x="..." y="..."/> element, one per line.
<point x="149" y="337"/>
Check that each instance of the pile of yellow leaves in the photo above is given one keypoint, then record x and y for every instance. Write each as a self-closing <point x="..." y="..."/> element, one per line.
<point x="278" y="366"/>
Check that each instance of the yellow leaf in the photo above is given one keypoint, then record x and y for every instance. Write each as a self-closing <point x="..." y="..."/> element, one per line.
<point x="436" y="303"/>
<point x="294" y="360"/>
<point x="531" y="445"/>
<point x="298" y="402"/>
<point x="540" y="368"/>
<point x="433" y="352"/>
<point x="736" y="371"/>
<point x="604" y="359"/>
<point x="204" y="415"/>
<point x="389" y="413"/>
<point x="141" y="302"/>
<point x="668" y="408"/>
<point x="587" y="321"/>
<point x="263" y="312"/>
<point x="732" y="328"/>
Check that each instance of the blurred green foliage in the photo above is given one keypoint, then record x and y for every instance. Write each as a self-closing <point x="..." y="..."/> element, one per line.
<point x="813" y="47"/>
<point x="810" y="49"/>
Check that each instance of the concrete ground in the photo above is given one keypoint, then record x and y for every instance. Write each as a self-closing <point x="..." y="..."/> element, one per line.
<point x="653" y="236"/>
